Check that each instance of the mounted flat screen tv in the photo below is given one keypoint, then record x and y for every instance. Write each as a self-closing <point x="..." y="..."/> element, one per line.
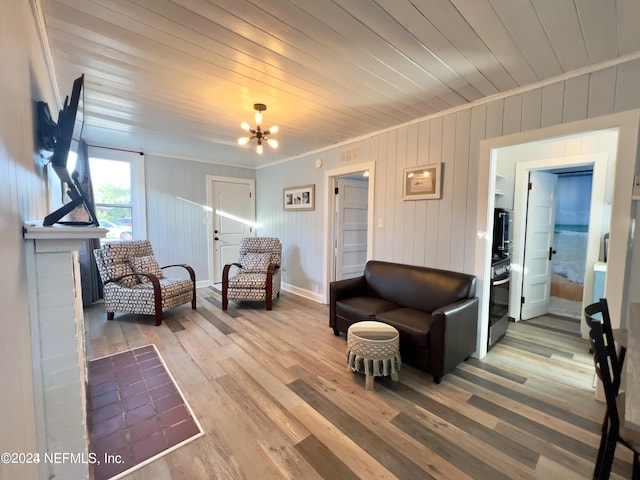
<point x="66" y="128"/>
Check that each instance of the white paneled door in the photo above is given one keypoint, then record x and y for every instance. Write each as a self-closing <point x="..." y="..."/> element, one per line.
<point x="351" y="227"/>
<point x="233" y="218"/>
<point x="536" y="279"/>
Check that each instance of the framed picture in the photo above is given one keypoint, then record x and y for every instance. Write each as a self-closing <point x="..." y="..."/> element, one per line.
<point x="299" y="198"/>
<point x="421" y="183"/>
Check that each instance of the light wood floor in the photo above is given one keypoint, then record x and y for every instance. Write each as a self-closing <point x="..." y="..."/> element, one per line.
<point x="273" y="394"/>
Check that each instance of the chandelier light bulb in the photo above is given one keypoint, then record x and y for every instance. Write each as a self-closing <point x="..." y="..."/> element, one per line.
<point x="257" y="132"/>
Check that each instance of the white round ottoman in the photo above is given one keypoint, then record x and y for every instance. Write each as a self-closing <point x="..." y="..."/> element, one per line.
<point x="373" y="348"/>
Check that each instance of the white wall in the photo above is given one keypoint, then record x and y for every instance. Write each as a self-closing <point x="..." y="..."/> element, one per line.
<point x="436" y="233"/>
<point x="23" y="79"/>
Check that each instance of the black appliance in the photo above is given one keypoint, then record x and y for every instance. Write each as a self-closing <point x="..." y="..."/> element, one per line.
<point x="500" y="275"/>
<point x="502" y="226"/>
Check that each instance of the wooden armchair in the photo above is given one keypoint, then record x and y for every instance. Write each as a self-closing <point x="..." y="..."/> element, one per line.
<point x="135" y="283"/>
<point x="256" y="275"/>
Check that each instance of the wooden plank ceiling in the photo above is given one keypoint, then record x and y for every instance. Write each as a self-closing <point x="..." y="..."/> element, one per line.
<point x="177" y="77"/>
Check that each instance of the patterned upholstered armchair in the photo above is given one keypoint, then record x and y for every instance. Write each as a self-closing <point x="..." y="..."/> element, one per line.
<point x="256" y="275"/>
<point x="135" y="283"/>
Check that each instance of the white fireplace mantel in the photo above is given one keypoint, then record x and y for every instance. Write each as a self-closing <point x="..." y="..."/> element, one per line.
<point x="61" y="237"/>
<point x="57" y="343"/>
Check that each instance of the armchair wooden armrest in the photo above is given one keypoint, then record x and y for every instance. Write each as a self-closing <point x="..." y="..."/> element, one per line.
<point x="271" y="270"/>
<point x="192" y="275"/>
<point x="117" y="279"/>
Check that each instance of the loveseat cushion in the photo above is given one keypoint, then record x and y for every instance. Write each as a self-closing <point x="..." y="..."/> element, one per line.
<point x="363" y="308"/>
<point x="421" y="288"/>
<point x="413" y="325"/>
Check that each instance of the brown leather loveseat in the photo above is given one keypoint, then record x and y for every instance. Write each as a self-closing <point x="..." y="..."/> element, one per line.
<point x="435" y="311"/>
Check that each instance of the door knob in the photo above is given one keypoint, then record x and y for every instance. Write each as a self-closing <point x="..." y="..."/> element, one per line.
<point x="551" y="252"/>
<point x="215" y="238"/>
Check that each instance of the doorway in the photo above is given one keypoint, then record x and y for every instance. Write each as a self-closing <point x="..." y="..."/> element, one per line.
<point x="620" y="130"/>
<point x="564" y="195"/>
<point x="598" y="223"/>
<point x="350" y="220"/>
<point x="336" y="255"/>
<point x="573" y="207"/>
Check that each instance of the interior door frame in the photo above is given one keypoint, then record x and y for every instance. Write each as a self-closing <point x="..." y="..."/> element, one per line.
<point x="627" y="124"/>
<point x="329" y="218"/>
<point x="210" y="180"/>
<point x="599" y="163"/>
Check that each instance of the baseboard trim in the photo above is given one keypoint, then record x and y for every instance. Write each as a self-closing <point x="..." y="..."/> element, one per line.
<point x="316" y="297"/>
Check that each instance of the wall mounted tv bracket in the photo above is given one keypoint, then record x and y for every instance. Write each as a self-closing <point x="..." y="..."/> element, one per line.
<point x="46" y="128"/>
<point x="78" y="198"/>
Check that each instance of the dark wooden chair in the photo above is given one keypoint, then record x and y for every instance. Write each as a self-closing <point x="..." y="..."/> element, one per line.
<point x="608" y="367"/>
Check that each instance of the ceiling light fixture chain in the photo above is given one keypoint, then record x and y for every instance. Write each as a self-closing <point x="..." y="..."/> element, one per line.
<point x="257" y="133"/>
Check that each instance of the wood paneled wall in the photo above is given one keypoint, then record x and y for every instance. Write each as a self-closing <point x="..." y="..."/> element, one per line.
<point x="437" y="233"/>
<point x="175" y="227"/>
<point x="23" y="197"/>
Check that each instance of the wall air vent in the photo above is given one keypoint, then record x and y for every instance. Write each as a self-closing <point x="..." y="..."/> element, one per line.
<point x="349" y="155"/>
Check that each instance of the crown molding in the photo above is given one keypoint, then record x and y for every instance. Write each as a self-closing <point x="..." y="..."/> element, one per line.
<point x="45" y="46"/>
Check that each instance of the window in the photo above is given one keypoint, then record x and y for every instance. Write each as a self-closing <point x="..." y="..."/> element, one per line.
<point x="111" y="181"/>
<point x="117" y="179"/>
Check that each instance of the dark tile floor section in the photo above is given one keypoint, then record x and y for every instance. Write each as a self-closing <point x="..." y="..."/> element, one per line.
<point x="135" y="411"/>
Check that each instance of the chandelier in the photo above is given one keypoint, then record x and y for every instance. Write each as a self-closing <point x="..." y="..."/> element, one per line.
<point x="257" y="133"/>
